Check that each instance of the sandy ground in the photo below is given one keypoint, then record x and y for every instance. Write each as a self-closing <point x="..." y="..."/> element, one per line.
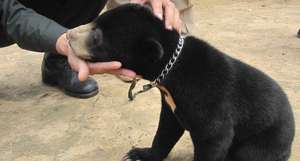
<point x="39" y="123"/>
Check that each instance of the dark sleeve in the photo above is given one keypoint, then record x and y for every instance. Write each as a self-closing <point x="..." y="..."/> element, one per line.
<point x="27" y="28"/>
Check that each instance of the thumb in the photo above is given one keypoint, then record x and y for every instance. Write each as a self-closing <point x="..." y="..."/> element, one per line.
<point x="83" y="71"/>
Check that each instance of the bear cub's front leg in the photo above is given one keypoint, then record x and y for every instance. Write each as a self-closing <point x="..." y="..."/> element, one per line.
<point x="168" y="133"/>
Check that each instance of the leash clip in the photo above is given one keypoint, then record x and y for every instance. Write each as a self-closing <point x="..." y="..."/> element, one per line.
<point x="132" y="95"/>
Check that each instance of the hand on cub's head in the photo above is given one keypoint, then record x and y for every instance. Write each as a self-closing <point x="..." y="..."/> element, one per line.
<point x="84" y="68"/>
<point x="164" y="9"/>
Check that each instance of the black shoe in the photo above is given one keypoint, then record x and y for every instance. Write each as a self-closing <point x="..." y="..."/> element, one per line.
<point x="57" y="72"/>
<point x="298" y="34"/>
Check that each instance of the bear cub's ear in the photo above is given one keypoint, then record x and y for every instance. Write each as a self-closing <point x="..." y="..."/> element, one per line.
<point x="152" y="49"/>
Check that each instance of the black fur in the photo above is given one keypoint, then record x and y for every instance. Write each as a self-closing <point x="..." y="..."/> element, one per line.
<point x="233" y="111"/>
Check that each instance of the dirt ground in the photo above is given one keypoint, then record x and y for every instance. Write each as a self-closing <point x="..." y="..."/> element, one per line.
<point x="40" y="123"/>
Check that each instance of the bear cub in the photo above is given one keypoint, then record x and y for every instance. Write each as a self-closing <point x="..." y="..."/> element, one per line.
<point x="233" y="111"/>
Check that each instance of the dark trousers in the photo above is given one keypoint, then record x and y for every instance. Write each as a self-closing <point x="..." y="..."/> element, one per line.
<point x="68" y="13"/>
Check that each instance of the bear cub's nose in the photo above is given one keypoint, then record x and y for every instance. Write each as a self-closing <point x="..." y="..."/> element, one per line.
<point x="96" y="37"/>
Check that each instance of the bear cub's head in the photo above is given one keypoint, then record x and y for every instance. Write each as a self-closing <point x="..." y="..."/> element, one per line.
<point x="130" y="34"/>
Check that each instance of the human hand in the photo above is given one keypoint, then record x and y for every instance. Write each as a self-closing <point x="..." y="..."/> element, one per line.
<point x="84" y="68"/>
<point x="166" y="9"/>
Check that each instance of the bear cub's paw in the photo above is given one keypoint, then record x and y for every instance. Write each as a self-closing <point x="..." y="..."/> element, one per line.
<point x="140" y="154"/>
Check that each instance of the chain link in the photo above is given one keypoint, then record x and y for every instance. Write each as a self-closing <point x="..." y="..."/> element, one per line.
<point x="171" y="62"/>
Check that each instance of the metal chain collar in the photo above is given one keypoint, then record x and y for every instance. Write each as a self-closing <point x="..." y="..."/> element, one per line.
<point x="171" y="62"/>
<point x="163" y="73"/>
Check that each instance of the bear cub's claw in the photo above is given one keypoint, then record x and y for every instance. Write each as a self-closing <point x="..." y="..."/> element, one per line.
<point x="139" y="154"/>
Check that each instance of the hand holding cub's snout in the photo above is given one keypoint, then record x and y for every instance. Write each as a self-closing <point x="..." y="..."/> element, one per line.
<point x="84" y="68"/>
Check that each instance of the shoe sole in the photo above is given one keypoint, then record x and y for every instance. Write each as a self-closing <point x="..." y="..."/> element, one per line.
<point x="81" y="95"/>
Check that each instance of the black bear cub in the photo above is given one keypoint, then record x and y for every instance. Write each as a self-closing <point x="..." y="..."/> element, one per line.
<point x="233" y="111"/>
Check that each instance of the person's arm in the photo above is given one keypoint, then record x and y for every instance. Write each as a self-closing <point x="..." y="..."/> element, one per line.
<point x="29" y="29"/>
<point x="35" y="32"/>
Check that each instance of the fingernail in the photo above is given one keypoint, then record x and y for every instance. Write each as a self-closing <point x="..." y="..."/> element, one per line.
<point x="118" y="64"/>
<point x="159" y="15"/>
<point x="169" y="27"/>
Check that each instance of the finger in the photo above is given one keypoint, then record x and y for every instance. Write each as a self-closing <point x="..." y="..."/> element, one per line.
<point x="83" y="71"/>
<point x="138" y="1"/>
<point x="157" y="6"/>
<point x="169" y="14"/>
<point x="177" y="21"/>
<point x="72" y="60"/>
<point x="123" y="72"/>
<point x="73" y="63"/>
<point x="103" y="67"/>
<point x="78" y="65"/>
